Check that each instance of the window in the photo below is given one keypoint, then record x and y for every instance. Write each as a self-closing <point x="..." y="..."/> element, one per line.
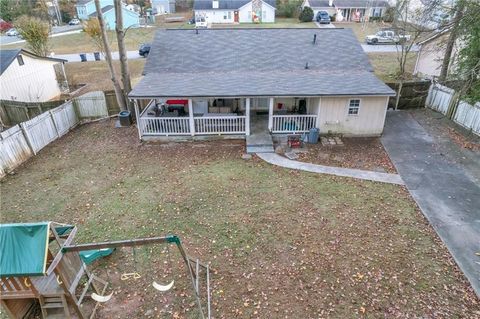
<point x="224" y="16"/>
<point x="229" y="15"/>
<point x="353" y="107"/>
<point x="20" y="60"/>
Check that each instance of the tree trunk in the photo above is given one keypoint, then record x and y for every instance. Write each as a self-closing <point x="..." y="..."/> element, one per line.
<point x="127" y="85"/>
<point x="108" y="58"/>
<point x="452" y="38"/>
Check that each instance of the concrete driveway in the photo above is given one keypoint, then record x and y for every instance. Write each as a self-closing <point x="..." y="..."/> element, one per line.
<point x="445" y="193"/>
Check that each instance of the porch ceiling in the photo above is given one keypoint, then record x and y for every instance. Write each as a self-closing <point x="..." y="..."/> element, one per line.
<point x="245" y="84"/>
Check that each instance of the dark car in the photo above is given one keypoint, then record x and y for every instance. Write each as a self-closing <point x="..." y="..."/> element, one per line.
<point x="144" y="49"/>
<point x="322" y="17"/>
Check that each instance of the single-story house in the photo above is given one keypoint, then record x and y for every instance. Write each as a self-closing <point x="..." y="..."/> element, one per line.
<point x="234" y="11"/>
<point x="431" y="53"/>
<point x="163" y="6"/>
<point x="27" y="77"/>
<point x="86" y="10"/>
<point x="278" y="81"/>
<point x="349" y="10"/>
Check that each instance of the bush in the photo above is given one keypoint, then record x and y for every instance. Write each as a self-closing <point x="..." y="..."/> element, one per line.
<point x="35" y="32"/>
<point x="375" y="19"/>
<point x="306" y="15"/>
<point x="389" y="15"/>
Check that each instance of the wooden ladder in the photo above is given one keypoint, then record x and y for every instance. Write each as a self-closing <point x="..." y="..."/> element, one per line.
<point x="54" y="307"/>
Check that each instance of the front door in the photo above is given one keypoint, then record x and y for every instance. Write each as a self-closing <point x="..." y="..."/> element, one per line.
<point x="235" y="16"/>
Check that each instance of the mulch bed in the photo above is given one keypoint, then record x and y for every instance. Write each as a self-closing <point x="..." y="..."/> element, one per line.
<point x="360" y="153"/>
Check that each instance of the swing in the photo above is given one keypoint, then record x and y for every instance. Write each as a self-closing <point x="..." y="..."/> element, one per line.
<point x="164" y="288"/>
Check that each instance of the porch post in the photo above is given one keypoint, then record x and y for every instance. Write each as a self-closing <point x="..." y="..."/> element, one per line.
<point x="270" y="114"/>
<point x="190" y="117"/>
<point x="247" y="116"/>
<point x="319" y="109"/>
<point x="137" y="116"/>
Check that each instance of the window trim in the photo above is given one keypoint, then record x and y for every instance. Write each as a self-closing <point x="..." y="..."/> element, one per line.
<point x="357" y="107"/>
<point x="20" y="60"/>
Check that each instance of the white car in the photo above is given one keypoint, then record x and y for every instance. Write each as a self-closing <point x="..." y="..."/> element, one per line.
<point x="12" y="32"/>
<point x="387" y="36"/>
<point x="74" y="22"/>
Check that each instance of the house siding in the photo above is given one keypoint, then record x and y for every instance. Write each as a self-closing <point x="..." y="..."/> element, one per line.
<point x="130" y="18"/>
<point x="334" y="118"/>
<point x="35" y="81"/>
<point x="430" y="58"/>
<point x="244" y="14"/>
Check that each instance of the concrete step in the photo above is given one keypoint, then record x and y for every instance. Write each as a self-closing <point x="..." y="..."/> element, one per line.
<point x="251" y="149"/>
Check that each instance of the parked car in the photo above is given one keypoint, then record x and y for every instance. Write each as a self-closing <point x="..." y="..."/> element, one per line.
<point x="12" y="32"/>
<point x="144" y="49"/>
<point x="322" y="17"/>
<point x="74" y="22"/>
<point x="387" y="36"/>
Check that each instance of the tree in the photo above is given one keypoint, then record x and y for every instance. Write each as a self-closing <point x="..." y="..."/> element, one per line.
<point x="122" y="51"/>
<point x="92" y="28"/>
<point x="9" y="11"/>
<point x="35" y="32"/>
<point x="306" y="15"/>
<point x="108" y="58"/>
<point x="288" y="8"/>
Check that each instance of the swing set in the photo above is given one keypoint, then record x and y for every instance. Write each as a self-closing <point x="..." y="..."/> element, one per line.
<point x="39" y="263"/>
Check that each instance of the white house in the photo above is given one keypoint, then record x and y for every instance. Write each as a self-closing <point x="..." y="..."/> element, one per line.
<point x="349" y="10"/>
<point x="163" y="6"/>
<point x="27" y="77"/>
<point x="431" y="54"/>
<point x="250" y="81"/>
<point x="234" y="11"/>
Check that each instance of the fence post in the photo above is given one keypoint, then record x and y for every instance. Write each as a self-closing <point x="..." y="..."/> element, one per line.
<point x="54" y="124"/>
<point x="27" y="137"/>
<point x="190" y="117"/>
<point x="452" y="107"/>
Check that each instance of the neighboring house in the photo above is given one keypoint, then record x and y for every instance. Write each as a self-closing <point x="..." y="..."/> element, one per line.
<point x="238" y="81"/>
<point x="86" y="10"/>
<point x="431" y="53"/>
<point x="163" y="6"/>
<point x="348" y="10"/>
<point x="27" y="77"/>
<point x="235" y="11"/>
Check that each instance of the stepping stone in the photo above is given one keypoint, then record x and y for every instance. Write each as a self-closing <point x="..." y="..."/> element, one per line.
<point x="291" y="155"/>
<point x="246" y="156"/>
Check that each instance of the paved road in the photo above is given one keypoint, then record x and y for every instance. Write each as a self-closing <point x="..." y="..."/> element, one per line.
<point x="56" y="31"/>
<point x="75" y="57"/>
<point x="444" y="192"/>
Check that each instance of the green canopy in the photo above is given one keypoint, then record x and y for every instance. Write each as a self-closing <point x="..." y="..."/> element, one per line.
<point x="23" y="250"/>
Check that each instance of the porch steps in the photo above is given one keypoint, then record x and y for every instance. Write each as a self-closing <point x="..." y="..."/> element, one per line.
<point x="259" y="143"/>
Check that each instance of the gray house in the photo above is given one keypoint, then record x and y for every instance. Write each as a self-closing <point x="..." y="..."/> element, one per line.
<point x="247" y="81"/>
<point x="163" y="6"/>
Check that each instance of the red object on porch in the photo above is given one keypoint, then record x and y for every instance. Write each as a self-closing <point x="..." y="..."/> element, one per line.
<point x="177" y="102"/>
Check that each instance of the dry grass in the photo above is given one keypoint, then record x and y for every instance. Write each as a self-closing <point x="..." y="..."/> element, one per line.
<point x="97" y="75"/>
<point x="281" y="243"/>
<point x="362" y="30"/>
<point x="386" y="65"/>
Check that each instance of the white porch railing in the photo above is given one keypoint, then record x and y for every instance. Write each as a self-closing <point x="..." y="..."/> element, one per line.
<point x="164" y="126"/>
<point x="219" y="125"/>
<point x="293" y="123"/>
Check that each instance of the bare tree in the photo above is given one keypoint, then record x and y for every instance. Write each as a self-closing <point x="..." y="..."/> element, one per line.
<point x="108" y="58"/>
<point x="122" y="51"/>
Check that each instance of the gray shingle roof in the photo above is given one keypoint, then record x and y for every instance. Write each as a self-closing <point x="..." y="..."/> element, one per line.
<point x="104" y="9"/>
<point x="225" y="4"/>
<point x="249" y="62"/>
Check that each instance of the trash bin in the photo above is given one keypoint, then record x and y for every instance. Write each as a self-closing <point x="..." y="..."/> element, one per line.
<point x="83" y="57"/>
<point x="313" y="135"/>
<point x="97" y="56"/>
<point x="125" y="118"/>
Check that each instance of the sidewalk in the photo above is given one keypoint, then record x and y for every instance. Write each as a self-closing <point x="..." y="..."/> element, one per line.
<point x="281" y="161"/>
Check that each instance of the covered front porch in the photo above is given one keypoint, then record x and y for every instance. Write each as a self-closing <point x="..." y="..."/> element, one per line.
<point x="238" y="116"/>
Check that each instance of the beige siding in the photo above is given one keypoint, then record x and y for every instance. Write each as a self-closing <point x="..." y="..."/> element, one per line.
<point x="334" y="118"/>
<point x="35" y="81"/>
<point x="430" y="58"/>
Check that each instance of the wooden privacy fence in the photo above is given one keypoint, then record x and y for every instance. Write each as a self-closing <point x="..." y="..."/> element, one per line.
<point x="446" y="101"/>
<point x="413" y="95"/>
<point x="91" y="105"/>
<point x="13" y="112"/>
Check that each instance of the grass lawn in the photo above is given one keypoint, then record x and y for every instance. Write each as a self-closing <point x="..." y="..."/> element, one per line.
<point x="97" y="75"/>
<point x="386" y="64"/>
<point x="281" y="243"/>
<point x="279" y="23"/>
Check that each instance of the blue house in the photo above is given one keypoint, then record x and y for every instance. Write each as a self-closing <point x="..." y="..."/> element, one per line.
<point x="86" y="10"/>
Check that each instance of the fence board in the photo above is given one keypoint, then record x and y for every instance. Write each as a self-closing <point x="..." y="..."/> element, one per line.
<point x="40" y="131"/>
<point x="91" y="105"/>
<point x="439" y="98"/>
<point x="14" y="149"/>
<point x="468" y="116"/>
<point x="64" y="118"/>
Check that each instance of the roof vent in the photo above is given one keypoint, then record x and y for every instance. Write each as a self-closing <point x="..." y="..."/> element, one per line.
<point x="306" y="66"/>
<point x="314" y="38"/>
<point x="196" y="30"/>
